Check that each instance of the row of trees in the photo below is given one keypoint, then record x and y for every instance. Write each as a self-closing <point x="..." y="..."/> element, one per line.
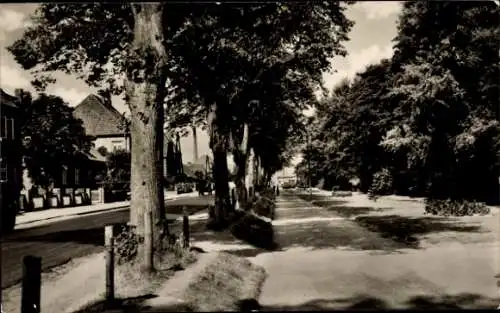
<point x="246" y="71"/>
<point x="424" y="122"/>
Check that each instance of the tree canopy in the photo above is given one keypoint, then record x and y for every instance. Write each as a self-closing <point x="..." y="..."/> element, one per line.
<point x="52" y="133"/>
<point x="428" y="116"/>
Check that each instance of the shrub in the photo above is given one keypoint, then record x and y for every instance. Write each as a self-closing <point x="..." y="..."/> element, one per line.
<point x="455" y="207"/>
<point x="126" y="245"/>
<point x="264" y="207"/>
<point x="254" y="230"/>
<point x="381" y="185"/>
<point x="268" y="193"/>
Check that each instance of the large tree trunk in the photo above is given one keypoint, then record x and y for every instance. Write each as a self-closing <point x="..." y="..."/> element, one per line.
<point x="145" y="91"/>
<point x="240" y="157"/>
<point x="219" y="143"/>
<point x="195" y="144"/>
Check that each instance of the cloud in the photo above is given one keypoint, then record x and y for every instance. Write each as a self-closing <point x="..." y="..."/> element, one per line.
<point x="72" y="96"/>
<point x="12" y="78"/>
<point x="377" y="10"/>
<point x="11" y="20"/>
<point x="357" y="62"/>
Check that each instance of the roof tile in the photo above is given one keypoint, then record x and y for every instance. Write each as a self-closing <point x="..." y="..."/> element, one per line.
<point x="98" y="118"/>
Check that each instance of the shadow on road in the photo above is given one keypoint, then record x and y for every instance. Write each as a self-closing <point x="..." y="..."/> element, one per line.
<point x="331" y="234"/>
<point x="461" y="301"/>
<point x="132" y="305"/>
<point x="347" y="212"/>
<point x="405" y="230"/>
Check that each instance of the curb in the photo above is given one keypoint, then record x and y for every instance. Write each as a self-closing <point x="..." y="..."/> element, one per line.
<point x="121" y="207"/>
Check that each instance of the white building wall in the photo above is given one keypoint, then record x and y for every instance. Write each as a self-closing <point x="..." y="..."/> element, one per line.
<point x="112" y="143"/>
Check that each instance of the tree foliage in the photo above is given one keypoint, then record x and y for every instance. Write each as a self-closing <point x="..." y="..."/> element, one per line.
<point x="428" y="116"/>
<point x="52" y="133"/>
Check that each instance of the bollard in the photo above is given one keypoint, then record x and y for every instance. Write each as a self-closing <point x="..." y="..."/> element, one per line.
<point x="31" y="286"/>
<point x="148" y="241"/>
<point x="185" y="228"/>
<point x="110" y="264"/>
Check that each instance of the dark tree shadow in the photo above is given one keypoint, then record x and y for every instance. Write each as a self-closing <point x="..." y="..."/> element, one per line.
<point x="366" y="302"/>
<point x="89" y="236"/>
<point x="347" y="212"/>
<point x="406" y="230"/>
<point x="132" y="305"/>
<point x="354" y="303"/>
<point x="461" y="301"/>
<point x="332" y="234"/>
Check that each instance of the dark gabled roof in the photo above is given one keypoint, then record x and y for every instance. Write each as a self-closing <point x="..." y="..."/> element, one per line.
<point x="99" y="119"/>
<point x="7" y="99"/>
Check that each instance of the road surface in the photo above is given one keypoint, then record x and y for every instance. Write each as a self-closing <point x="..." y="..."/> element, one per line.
<point x="354" y="253"/>
<point x="60" y="241"/>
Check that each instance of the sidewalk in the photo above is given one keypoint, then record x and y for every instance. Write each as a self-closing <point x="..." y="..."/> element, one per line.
<point x="44" y="215"/>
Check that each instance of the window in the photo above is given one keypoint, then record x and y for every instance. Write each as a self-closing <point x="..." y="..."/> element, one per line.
<point x="64" y="178"/>
<point x="77" y="176"/>
<point x="7" y="128"/>
<point x="3" y="171"/>
<point x="3" y="127"/>
<point x="117" y="144"/>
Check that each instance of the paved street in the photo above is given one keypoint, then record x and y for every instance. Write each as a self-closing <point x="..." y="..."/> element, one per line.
<point x="335" y="257"/>
<point x="60" y="241"/>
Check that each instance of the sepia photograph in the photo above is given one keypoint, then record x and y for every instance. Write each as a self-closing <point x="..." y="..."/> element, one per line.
<point x="203" y="156"/>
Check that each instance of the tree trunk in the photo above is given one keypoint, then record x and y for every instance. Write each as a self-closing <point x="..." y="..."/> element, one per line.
<point x="256" y="174"/>
<point x="195" y="144"/>
<point x="219" y="144"/>
<point x="240" y="157"/>
<point x="145" y="91"/>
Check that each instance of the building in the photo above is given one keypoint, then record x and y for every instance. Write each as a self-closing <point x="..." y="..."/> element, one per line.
<point x="71" y="185"/>
<point x="10" y="160"/>
<point x="102" y="121"/>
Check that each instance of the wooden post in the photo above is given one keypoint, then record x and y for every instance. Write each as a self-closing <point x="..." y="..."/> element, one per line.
<point x="185" y="228"/>
<point x="148" y="241"/>
<point x="31" y="287"/>
<point x="110" y="264"/>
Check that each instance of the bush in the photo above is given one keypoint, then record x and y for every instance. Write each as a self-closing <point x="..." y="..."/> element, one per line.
<point x="264" y="207"/>
<point x="381" y="185"/>
<point x="254" y="230"/>
<point x="455" y="207"/>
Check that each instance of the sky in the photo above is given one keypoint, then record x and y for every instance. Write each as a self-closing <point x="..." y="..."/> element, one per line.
<point x="370" y="41"/>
